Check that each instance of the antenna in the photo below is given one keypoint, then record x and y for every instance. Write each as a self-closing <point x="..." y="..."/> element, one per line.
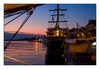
<point x="85" y="19"/>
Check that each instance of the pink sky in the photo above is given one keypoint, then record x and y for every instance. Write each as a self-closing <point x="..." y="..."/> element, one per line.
<point x="38" y="22"/>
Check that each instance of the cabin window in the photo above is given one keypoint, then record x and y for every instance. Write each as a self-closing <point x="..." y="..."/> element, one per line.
<point x="57" y="32"/>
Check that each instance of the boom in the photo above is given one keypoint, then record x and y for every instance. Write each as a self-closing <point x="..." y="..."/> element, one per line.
<point x="11" y="8"/>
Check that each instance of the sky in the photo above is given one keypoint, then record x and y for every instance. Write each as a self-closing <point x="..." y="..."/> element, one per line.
<point x="71" y="22"/>
<point x="38" y="22"/>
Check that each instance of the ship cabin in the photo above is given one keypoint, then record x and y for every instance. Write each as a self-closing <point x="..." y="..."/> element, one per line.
<point x="60" y="33"/>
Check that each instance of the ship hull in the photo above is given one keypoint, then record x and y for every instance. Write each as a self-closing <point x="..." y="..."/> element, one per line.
<point x="54" y="53"/>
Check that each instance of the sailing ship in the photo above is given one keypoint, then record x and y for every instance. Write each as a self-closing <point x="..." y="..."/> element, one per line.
<point x="62" y="48"/>
<point x="55" y="37"/>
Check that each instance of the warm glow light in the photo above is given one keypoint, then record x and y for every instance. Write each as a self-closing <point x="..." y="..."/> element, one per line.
<point x="78" y="35"/>
<point x="82" y="34"/>
<point x="94" y="43"/>
<point x="36" y="46"/>
<point x="57" y="32"/>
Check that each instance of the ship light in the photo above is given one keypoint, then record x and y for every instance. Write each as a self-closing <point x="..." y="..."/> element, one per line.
<point x="78" y="35"/>
<point x="94" y="43"/>
<point x="82" y="34"/>
<point x="57" y="33"/>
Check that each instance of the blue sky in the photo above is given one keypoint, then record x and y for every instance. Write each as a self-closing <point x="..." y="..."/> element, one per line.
<point x="81" y="13"/>
<point x="38" y="22"/>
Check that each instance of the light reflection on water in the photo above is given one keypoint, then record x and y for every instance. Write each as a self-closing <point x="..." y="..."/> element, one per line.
<point x="31" y="52"/>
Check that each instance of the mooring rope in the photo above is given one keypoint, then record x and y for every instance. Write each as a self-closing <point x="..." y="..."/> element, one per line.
<point x="17" y="60"/>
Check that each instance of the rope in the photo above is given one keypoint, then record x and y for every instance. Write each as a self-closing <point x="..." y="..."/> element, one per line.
<point x="30" y="13"/>
<point x="11" y="14"/>
<point x="68" y="59"/>
<point x="17" y="60"/>
<point x="64" y="20"/>
<point x="85" y="31"/>
<point x="14" y="18"/>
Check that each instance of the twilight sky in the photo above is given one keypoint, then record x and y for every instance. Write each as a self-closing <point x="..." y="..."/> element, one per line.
<point x="38" y="22"/>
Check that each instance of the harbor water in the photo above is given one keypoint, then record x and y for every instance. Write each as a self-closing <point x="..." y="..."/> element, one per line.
<point x="24" y="53"/>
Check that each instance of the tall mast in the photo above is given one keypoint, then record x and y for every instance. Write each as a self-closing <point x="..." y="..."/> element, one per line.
<point x="58" y="15"/>
<point x="57" y="22"/>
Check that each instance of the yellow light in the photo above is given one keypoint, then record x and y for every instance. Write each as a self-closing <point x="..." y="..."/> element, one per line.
<point x="57" y="32"/>
<point x="82" y="34"/>
<point x="78" y="35"/>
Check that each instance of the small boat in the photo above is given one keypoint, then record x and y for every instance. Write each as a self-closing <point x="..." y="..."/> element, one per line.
<point x="80" y="51"/>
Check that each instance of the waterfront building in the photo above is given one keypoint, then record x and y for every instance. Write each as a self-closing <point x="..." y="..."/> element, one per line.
<point x="91" y="27"/>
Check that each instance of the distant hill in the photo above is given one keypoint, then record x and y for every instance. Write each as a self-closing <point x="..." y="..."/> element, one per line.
<point x="21" y="35"/>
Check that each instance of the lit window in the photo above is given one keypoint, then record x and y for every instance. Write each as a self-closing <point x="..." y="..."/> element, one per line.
<point x="57" y="32"/>
<point x="82" y="33"/>
<point x="78" y="35"/>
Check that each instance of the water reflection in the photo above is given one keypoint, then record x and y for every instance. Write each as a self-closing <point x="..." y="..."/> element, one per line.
<point x="31" y="52"/>
<point x="37" y="46"/>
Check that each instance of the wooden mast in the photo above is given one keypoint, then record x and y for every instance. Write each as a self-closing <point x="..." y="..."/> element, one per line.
<point x="57" y="22"/>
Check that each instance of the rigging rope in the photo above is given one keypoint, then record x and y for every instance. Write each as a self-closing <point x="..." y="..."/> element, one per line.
<point x="12" y="14"/>
<point x="85" y="31"/>
<point x="14" y="18"/>
<point x="30" y="13"/>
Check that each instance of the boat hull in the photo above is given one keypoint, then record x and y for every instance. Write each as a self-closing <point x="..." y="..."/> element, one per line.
<point x="54" y="53"/>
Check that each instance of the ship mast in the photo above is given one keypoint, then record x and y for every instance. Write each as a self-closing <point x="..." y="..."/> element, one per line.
<point x="55" y="37"/>
<point x="58" y="14"/>
<point x="57" y="22"/>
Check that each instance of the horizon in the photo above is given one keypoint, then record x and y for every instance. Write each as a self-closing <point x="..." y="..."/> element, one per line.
<point x="38" y="23"/>
<point x="20" y="35"/>
<point x="13" y="32"/>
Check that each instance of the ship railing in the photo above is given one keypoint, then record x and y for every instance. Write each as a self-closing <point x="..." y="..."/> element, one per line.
<point x="68" y="60"/>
